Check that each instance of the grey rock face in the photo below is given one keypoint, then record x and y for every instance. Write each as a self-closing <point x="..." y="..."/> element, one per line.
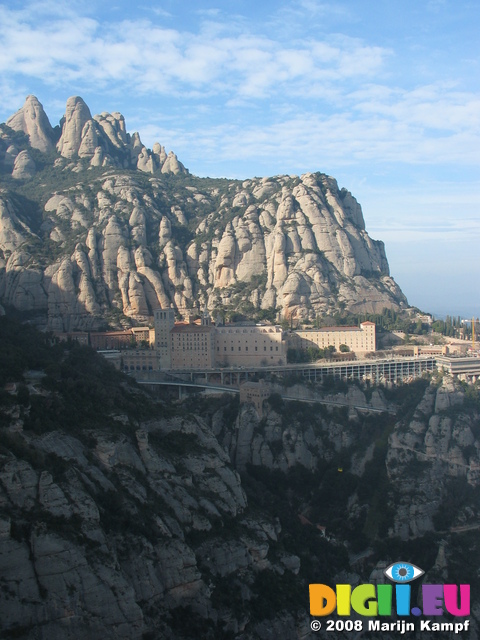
<point x="295" y="244"/>
<point x="295" y="279"/>
<point x="10" y="154"/>
<point x="278" y="443"/>
<point x="76" y="572"/>
<point x="77" y="117"/>
<point x="130" y="525"/>
<point x="424" y="455"/>
<point x="434" y="447"/>
<point x="32" y="120"/>
<point x="13" y="232"/>
<point x="24" y="166"/>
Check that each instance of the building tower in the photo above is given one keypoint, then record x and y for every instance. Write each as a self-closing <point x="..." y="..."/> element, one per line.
<point x="369" y="339"/>
<point x="206" y="320"/>
<point x="164" y="323"/>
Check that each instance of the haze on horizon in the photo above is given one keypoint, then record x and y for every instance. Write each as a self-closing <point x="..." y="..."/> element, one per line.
<point x="383" y="96"/>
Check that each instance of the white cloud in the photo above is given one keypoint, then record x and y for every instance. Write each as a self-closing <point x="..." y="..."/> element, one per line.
<point x="83" y="50"/>
<point x="13" y="96"/>
<point x="328" y="100"/>
<point x="449" y="232"/>
<point x="440" y="106"/>
<point x="339" y="140"/>
<point x="211" y="13"/>
<point x="320" y="9"/>
<point x="429" y="215"/>
<point x="232" y="95"/>
<point x="160" y="12"/>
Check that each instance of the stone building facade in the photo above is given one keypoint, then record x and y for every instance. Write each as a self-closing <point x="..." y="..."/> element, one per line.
<point x="255" y="393"/>
<point x="139" y="360"/>
<point x="144" y="334"/>
<point x="111" y="339"/>
<point x="200" y="345"/>
<point x="250" y="346"/>
<point x="192" y="346"/>
<point x="358" y="339"/>
<point x="164" y="320"/>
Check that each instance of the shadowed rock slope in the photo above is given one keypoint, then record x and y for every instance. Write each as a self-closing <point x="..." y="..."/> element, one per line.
<point x="122" y="516"/>
<point x="95" y="227"/>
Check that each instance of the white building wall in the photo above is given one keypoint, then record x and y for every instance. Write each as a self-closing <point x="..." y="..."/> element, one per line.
<point x="358" y="339"/>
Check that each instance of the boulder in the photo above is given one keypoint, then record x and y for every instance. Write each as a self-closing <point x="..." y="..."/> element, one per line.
<point x="24" y="166"/>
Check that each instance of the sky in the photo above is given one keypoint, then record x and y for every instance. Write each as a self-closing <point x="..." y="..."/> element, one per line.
<point x="383" y="95"/>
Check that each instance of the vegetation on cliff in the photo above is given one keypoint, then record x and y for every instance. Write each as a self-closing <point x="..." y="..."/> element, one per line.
<point x="123" y="516"/>
<point x="93" y="224"/>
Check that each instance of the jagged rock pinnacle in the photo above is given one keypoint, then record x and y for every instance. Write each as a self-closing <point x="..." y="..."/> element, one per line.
<point x="32" y="120"/>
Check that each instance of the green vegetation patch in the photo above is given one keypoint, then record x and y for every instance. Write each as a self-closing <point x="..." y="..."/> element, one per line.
<point x="78" y="389"/>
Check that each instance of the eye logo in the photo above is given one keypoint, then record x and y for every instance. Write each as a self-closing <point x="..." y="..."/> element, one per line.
<point x="403" y="572"/>
<point x="377" y="600"/>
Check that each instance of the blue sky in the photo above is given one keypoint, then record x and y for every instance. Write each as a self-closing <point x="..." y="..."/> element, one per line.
<point x="384" y="95"/>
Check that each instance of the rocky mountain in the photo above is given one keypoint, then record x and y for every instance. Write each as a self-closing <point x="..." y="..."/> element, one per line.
<point x="123" y="516"/>
<point x="95" y="227"/>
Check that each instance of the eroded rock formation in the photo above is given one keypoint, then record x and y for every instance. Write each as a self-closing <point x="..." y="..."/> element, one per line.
<point x="115" y="537"/>
<point x="297" y="245"/>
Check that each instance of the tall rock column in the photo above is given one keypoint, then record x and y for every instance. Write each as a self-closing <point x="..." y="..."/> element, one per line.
<point x="77" y="114"/>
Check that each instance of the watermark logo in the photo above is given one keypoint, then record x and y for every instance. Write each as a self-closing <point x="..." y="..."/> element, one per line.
<point x="371" y="600"/>
<point x="403" y="572"/>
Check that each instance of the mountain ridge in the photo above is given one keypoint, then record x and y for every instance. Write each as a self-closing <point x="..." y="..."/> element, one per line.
<point x="95" y="227"/>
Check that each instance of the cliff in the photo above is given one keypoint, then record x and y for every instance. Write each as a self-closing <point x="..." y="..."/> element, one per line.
<point x="125" y="516"/>
<point x="94" y="226"/>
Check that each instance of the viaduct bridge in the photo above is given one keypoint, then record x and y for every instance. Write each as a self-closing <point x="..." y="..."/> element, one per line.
<point x="184" y="387"/>
<point x="394" y="369"/>
<point x="387" y="370"/>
